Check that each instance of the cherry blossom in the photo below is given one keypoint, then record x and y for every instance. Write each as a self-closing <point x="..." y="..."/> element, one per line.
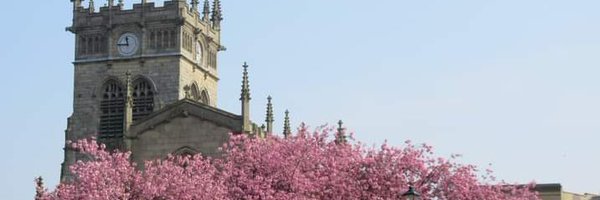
<point x="308" y="165"/>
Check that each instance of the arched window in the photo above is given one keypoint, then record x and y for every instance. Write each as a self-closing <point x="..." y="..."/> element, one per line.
<point x="143" y="99"/>
<point x="111" y="107"/>
<point x="204" y="97"/>
<point x="195" y="92"/>
<point x="201" y="97"/>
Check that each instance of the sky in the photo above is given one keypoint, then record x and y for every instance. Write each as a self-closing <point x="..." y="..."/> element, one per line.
<point x="508" y="83"/>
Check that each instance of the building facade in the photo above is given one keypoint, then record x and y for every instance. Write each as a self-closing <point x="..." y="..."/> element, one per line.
<point x="146" y="80"/>
<point x="554" y="191"/>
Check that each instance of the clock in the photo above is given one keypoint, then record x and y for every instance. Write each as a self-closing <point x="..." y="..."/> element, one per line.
<point x="128" y="44"/>
<point x="198" y="55"/>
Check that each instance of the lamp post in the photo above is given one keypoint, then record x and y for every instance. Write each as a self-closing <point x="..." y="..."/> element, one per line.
<point x="411" y="194"/>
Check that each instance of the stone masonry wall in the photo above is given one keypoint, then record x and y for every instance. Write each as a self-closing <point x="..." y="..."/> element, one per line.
<point x="168" y="67"/>
<point x="163" y="73"/>
<point x="166" y="138"/>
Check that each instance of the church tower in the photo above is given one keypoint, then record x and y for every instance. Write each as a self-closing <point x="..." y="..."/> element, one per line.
<point x="131" y="64"/>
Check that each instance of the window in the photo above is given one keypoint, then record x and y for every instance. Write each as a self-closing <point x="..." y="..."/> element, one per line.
<point x="159" y="37"/>
<point x="188" y="41"/>
<point x="195" y="92"/>
<point x="143" y="99"/>
<point x="82" y="42"/>
<point x="162" y="39"/>
<point x="201" y="97"/>
<point x="91" y="44"/>
<point x="212" y="59"/>
<point x="184" y="42"/>
<point x="173" y="39"/>
<point x="204" y="97"/>
<point x="111" y="106"/>
<point x="88" y="48"/>
<point x="152" y="40"/>
<point x="97" y="44"/>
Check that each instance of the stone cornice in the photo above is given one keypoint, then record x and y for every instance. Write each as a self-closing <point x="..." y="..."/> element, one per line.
<point x="142" y="58"/>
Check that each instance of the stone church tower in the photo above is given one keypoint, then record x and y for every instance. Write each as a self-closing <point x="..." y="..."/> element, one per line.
<point x="146" y="80"/>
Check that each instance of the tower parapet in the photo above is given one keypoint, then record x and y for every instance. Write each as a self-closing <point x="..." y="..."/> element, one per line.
<point x="171" y="10"/>
<point x="168" y="30"/>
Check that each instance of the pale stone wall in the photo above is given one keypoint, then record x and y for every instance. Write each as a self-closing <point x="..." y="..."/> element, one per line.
<point x="550" y="195"/>
<point x="191" y="74"/>
<point x="555" y="192"/>
<point x="166" y="138"/>
<point x="574" y="196"/>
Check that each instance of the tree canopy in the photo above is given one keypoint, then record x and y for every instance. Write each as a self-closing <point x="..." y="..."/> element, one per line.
<point x="308" y="165"/>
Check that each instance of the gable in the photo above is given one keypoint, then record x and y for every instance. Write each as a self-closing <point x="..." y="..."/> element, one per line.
<point x="188" y="135"/>
<point x="185" y="126"/>
<point x="186" y="108"/>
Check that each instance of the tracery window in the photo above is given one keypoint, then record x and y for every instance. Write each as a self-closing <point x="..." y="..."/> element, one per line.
<point x="152" y="40"/>
<point x="89" y="48"/>
<point x="173" y="42"/>
<point x="187" y="41"/>
<point x="92" y="44"/>
<point x="212" y="59"/>
<point x="82" y="45"/>
<point x="201" y="97"/>
<point x="111" y="107"/>
<point x="204" y="97"/>
<point x="195" y="92"/>
<point x="143" y="99"/>
<point x="162" y="38"/>
<point x="159" y="37"/>
<point x="165" y="39"/>
<point x="96" y="44"/>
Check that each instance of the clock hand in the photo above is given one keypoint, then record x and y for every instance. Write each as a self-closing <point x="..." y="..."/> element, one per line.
<point x="121" y="44"/>
<point x="127" y="41"/>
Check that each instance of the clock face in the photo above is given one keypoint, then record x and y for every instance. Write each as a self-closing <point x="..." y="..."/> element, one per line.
<point x="198" y="55"/>
<point x="128" y="44"/>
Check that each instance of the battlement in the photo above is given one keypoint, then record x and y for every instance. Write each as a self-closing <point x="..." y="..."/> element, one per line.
<point x="176" y="11"/>
<point x="174" y="29"/>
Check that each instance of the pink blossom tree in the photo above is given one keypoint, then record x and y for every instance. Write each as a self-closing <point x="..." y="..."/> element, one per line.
<point x="111" y="175"/>
<point x="309" y="165"/>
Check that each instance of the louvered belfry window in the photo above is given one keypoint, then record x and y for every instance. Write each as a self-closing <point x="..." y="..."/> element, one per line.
<point x="112" y="106"/>
<point x="143" y="99"/>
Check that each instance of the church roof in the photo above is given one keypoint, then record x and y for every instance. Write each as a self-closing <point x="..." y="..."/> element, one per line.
<point x="186" y="108"/>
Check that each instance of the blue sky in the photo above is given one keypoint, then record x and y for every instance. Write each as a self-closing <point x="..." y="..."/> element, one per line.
<point x="512" y="83"/>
